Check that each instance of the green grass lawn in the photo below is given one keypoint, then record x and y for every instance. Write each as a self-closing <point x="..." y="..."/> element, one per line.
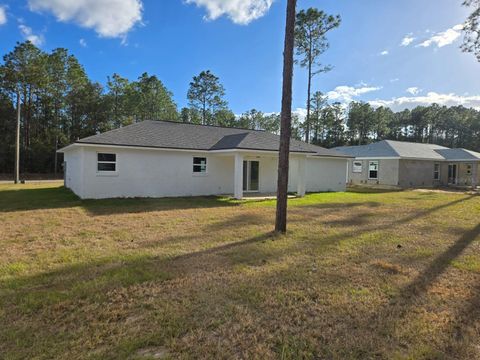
<point x="360" y="275"/>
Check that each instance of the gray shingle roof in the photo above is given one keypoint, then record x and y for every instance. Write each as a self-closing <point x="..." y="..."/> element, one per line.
<point x="402" y="149"/>
<point x="459" y="154"/>
<point x="174" y="135"/>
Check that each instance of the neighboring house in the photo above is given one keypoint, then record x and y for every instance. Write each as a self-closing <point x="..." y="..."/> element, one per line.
<point x="161" y="158"/>
<point x="406" y="164"/>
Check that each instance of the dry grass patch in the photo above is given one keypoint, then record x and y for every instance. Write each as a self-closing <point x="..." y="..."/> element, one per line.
<point x="388" y="275"/>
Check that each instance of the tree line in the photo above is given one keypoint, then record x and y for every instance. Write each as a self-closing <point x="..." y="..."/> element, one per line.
<point x="360" y="123"/>
<point x="60" y="104"/>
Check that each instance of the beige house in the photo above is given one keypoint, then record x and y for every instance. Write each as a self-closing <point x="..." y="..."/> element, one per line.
<point x="405" y="164"/>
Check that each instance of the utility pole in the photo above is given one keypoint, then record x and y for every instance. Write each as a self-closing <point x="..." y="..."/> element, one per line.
<point x="17" y="143"/>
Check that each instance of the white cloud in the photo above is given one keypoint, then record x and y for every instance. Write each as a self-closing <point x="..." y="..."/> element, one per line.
<point x="413" y="90"/>
<point x="384" y="52"/>
<point x="443" y="38"/>
<point x="407" y="40"/>
<point x="400" y="103"/>
<point x="394" y="80"/>
<point x="109" y="18"/>
<point x="82" y="43"/>
<point x="28" y="34"/>
<point x="3" y="15"/>
<point x="348" y="93"/>
<point x="239" y="11"/>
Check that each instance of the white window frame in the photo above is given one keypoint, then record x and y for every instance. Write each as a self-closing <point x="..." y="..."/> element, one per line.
<point x="205" y="166"/>
<point x="436" y="173"/>
<point x="378" y="169"/>
<point x="357" y="169"/>
<point x="107" y="172"/>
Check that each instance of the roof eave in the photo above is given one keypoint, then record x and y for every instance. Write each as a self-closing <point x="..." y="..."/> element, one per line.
<point x="92" y="144"/>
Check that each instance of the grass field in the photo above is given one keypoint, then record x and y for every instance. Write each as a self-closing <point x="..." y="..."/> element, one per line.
<point x="360" y="275"/>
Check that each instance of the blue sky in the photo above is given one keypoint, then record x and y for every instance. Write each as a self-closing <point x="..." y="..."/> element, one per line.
<point x="241" y="42"/>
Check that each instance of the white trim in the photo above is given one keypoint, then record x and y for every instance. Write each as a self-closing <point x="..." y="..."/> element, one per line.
<point x="312" y="156"/>
<point x="415" y="158"/>
<point x="439" y="172"/>
<point x="378" y="169"/>
<point x="106" y="172"/>
<point x="378" y="158"/>
<point x="249" y="173"/>
<point x="201" y="173"/>
<point x="129" y="147"/>
<point x="226" y="151"/>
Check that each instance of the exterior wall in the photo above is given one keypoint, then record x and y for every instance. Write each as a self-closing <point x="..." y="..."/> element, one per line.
<point x="322" y="174"/>
<point x="463" y="177"/>
<point x="326" y="174"/>
<point x="418" y="173"/>
<point x="387" y="173"/>
<point x="153" y="173"/>
<point x="156" y="173"/>
<point x="73" y="171"/>
<point x="407" y="173"/>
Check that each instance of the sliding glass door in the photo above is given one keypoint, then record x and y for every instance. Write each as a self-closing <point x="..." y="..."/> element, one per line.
<point x="452" y="174"/>
<point x="251" y="175"/>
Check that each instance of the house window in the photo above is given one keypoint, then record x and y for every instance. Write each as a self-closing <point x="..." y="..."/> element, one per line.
<point x="436" y="172"/>
<point x="357" y="167"/>
<point x="106" y="162"/>
<point x="469" y="169"/>
<point x="373" y="170"/>
<point x="199" y="165"/>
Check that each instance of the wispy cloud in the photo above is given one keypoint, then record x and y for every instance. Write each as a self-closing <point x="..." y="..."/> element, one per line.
<point x="410" y="102"/>
<point x="443" y="38"/>
<point x="3" y="15"/>
<point x="82" y="42"/>
<point x="407" y="40"/>
<point x="28" y="34"/>
<point x="413" y="90"/>
<point x="239" y="11"/>
<point x="384" y="52"/>
<point x="349" y="93"/>
<point x="109" y="18"/>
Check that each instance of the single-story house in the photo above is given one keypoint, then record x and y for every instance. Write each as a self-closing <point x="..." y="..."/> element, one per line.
<point x="406" y="164"/>
<point x="163" y="159"/>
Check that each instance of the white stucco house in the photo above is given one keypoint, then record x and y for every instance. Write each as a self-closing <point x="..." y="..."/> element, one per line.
<point x="167" y="159"/>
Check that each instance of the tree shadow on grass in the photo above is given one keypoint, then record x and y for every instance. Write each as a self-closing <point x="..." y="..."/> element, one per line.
<point x="459" y="329"/>
<point x="371" y="190"/>
<point x="61" y="197"/>
<point x="93" y="281"/>
<point x="438" y="266"/>
<point x="143" y="205"/>
<point x="35" y="199"/>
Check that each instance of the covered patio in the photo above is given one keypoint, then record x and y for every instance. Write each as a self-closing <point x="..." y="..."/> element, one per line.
<point x="255" y="174"/>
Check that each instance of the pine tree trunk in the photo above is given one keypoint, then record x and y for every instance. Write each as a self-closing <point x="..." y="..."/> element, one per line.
<point x="307" y="121"/>
<point x="17" y="143"/>
<point x="286" y="120"/>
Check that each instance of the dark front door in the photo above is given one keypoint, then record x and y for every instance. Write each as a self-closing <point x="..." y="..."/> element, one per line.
<point x="251" y="175"/>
